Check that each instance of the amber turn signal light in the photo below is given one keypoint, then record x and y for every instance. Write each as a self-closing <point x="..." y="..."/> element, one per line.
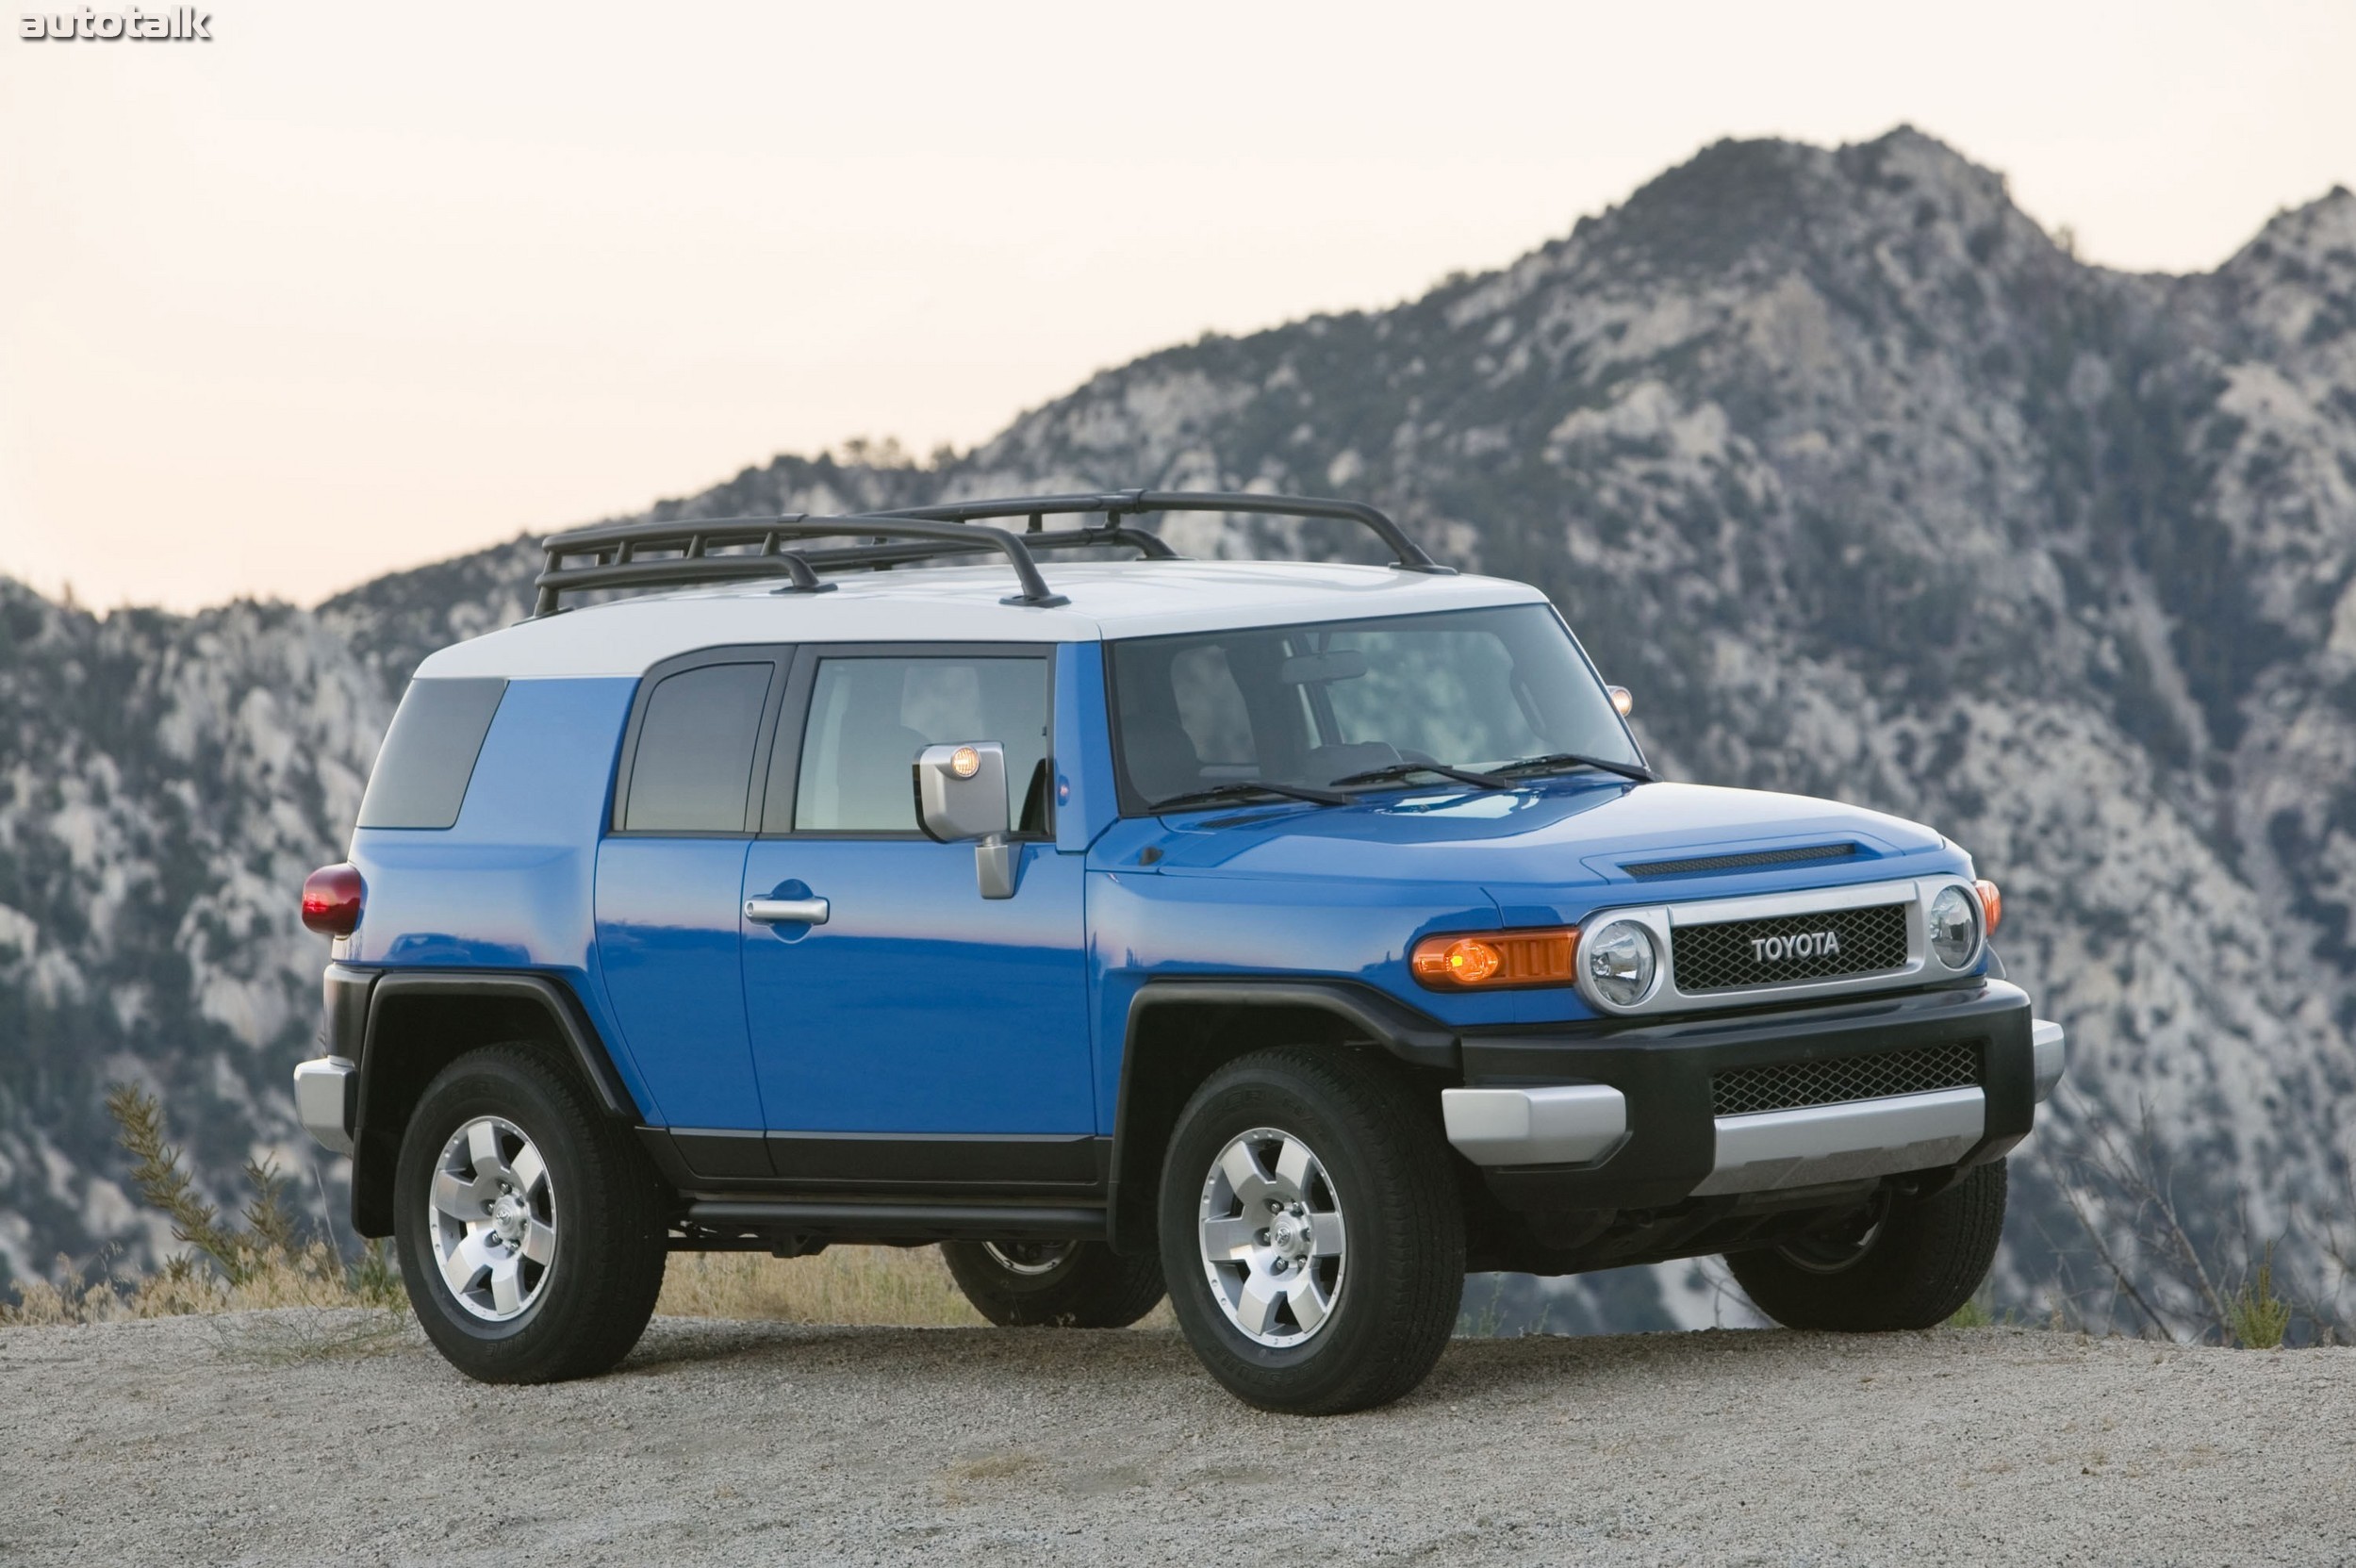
<point x="1494" y="960"/>
<point x="1991" y="904"/>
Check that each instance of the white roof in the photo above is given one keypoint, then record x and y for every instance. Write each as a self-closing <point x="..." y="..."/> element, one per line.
<point x="1109" y="599"/>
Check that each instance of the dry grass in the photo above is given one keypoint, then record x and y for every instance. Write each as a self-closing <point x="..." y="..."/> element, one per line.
<point x="868" y="1286"/>
<point x="909" y="1287"/>
<point x="313" y="1276"/>
<point x="264" y="1262"/>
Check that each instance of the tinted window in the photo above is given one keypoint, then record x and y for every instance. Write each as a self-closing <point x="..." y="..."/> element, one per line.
<point x="428" y="758"/>
<point x="869" y="718"/>
<point x="694" y="763"/>
<point x="1313" y="703"/>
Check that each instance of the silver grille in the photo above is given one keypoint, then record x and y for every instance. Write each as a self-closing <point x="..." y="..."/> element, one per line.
<point x="1791" y="947"/>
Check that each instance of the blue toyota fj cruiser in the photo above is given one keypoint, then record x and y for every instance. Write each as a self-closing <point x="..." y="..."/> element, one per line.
<point x="1294" y="937"/>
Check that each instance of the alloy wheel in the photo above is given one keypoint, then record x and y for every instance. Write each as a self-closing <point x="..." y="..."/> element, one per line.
<point x="1273" y="1244"/>
<point x="492" y="1217"/>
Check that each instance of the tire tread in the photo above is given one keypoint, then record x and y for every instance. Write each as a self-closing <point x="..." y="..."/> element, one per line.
<point x="1415" y="1313"/>
<point x="1100" y="1287"/>
<point x="1930" y="1257"/>
<point x="595" y="1322"/>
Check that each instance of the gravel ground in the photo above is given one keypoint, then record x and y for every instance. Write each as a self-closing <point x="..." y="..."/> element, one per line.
<point x="285" y="1437"/>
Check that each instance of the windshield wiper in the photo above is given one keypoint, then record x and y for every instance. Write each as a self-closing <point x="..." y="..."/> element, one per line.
<point x="1243" y="789"/>
<point x="1555" y="761"/>
<point x="1401" y="771"/>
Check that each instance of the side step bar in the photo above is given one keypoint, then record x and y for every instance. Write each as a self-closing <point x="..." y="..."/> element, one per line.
<point x="900" y="1222"/>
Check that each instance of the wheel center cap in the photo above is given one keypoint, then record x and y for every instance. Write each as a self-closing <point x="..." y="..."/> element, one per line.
<point x="510" y="1214"/>
<point x="1289" y="1234"/>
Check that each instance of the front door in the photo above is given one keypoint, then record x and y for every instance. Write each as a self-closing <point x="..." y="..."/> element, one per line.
<point x="921" y="1033"/>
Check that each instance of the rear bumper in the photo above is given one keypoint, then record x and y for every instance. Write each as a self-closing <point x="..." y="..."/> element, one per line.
<point x="328" y="1088"/>
<point x="323" y="1092"/>
<point x="1624" y="1118"/>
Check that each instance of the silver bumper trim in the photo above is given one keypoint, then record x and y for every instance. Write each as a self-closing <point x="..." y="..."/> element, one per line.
<point x="1841" y="1143"/>
<point x="2053" y="1053"/>
<point x="323" y="1088"/>
<point x="1570" y="1124"/>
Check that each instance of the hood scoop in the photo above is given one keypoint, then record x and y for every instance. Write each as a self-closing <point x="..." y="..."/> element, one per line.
<point x="1798" y="855"/>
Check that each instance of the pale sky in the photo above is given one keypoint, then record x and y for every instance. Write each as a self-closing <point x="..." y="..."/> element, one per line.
<point x="352" y="287"/>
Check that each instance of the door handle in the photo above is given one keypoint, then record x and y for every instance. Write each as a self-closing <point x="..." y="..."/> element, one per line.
<point x="769" y="912"/>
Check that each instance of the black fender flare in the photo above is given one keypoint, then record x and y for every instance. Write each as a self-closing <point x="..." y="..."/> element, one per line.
<point x="1350" y="1011"/>
<point x="376" y="1148"/>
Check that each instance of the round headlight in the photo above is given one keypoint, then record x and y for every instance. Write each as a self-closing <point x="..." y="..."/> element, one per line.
<point x="1954" y="928"/>
<point x="1620" y="962"/>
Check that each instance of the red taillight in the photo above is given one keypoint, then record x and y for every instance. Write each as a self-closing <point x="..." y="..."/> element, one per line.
<point x="331" y="900"/>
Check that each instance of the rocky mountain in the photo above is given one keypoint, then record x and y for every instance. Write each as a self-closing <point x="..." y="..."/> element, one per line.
<point x="1866" y="485"/>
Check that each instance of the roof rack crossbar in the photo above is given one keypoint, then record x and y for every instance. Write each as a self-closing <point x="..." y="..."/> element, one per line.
<point x="615" y="549"/>
<point x="850" y="557"/>
<point x="683" y="548"/>
<point x="1406" y="555"/>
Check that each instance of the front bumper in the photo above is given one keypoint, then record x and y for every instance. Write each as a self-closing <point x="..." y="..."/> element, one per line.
<point x="1624" y="1118"/>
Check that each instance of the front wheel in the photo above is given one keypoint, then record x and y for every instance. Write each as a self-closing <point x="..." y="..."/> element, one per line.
<point x="1310" y="1231"/>
<point x="1055" y="1284"/>
<point x="529" y="1227"/>
<point x="1901" y="1265"/>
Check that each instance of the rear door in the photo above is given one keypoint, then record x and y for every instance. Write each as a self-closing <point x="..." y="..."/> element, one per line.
<point x="686" y="801"/>
<point x="921" y="1033"/>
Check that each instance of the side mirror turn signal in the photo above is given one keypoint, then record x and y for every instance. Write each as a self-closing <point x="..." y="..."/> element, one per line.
<point x="961" y="798"/>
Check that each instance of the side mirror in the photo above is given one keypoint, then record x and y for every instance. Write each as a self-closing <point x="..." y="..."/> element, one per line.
<point x="1623" y="701"/>
<point x="961" y="798"/>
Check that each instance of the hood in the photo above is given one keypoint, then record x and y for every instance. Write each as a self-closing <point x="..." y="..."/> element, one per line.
<point x="1552" y="835"/>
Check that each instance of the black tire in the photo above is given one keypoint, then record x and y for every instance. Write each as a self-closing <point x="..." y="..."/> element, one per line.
<point x="1055" y="1284"/>
<point x="1381" y="1161"/>
<point x="1912" y="1270"/>
<point x="589" y="1301"/>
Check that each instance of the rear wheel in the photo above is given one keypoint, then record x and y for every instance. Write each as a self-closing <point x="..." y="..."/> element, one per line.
<point x="529" y="1229"/>
<point x="1310" y="1232"/>
<point x="1055" y="1284"/>
<point x="1900" y="1265"/>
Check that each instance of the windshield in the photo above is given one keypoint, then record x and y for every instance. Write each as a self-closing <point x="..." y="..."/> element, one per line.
<point x="1308" y="705"/>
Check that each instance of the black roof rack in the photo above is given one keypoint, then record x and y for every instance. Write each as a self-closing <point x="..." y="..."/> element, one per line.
<point x="678" y="553"/>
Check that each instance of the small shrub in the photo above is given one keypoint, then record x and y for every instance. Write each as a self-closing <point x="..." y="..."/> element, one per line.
<point x="1483" y="1323"/>
<point x="2256" y="1315"/>
<point x="266" y="1262"/>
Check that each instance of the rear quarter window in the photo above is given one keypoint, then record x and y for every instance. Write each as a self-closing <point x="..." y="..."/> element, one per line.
<point x="693" y="768"/>
<point x="428" y="758"/>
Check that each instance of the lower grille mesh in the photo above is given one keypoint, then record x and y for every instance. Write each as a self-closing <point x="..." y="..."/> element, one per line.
<point x="1791" y="1086"/>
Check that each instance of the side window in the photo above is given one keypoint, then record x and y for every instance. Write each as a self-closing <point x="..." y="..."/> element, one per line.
<point x="693" y="767"/>
<point x="420" y="776"/>
<point x="870" y="717"/>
